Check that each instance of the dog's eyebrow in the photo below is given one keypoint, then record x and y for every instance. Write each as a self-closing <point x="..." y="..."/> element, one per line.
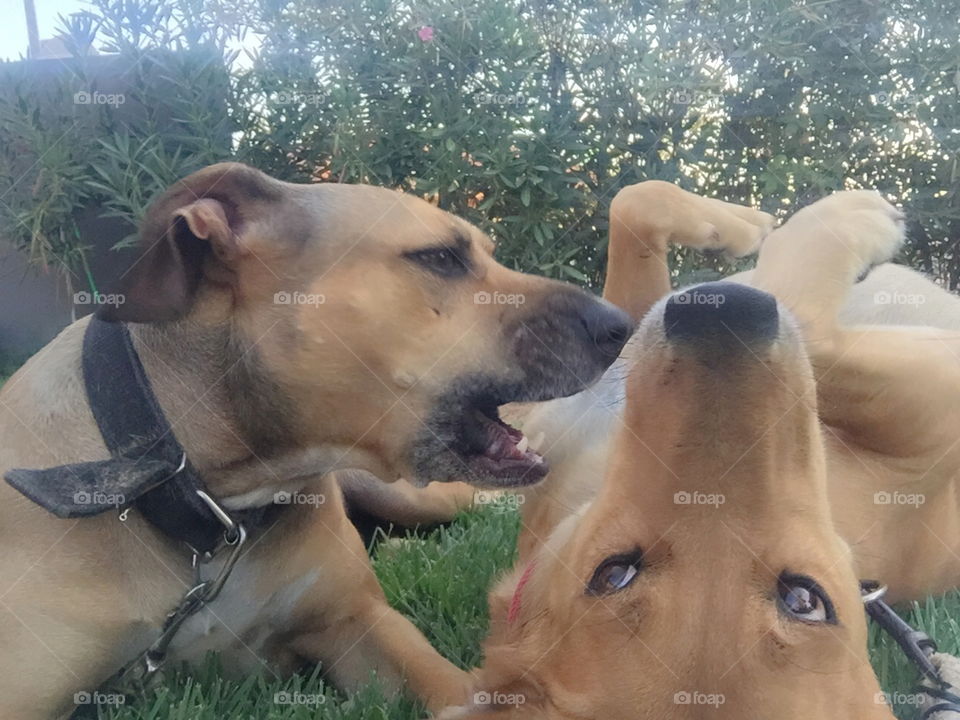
<point x="457" y="240"/>
<point x="486" y="244"/>
<point x="460" y="241"/>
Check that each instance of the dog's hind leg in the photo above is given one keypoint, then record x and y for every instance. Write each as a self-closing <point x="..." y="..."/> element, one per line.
<point x="646" y="218"/>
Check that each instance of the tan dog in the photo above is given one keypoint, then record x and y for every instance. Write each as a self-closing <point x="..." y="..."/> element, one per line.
<point x="706" y="580"/>
<point x="888" y="396"/>
<point x="731" y="493"/>
<point x="287" y="331"/>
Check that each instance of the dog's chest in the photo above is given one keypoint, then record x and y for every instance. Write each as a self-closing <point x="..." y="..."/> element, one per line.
<point x="240" y="622"/>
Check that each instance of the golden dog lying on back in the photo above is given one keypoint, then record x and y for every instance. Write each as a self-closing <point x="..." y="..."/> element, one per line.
<point x="758" y="457"/>
<point x="885" y="353"/>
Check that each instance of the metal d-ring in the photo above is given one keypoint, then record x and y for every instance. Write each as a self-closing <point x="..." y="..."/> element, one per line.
<point x="871" y="596"/>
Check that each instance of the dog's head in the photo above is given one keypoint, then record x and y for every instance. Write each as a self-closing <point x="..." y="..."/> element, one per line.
<point x="706" y="580"/>
<point x="385" y="324"/>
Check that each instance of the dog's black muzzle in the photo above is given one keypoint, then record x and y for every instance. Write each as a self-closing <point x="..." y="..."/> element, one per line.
<point x="567" y="344"/>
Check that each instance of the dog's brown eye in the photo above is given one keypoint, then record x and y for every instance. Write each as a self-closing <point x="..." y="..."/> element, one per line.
<point x="615" y="573"/>
<point x="445" y="261"/>
<point x="803" y="599"/>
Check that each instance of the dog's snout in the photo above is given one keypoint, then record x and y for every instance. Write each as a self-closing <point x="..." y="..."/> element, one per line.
<point x="724" y="313"/>
<point x="567" y="342"/>
<point x="608" y="327"/>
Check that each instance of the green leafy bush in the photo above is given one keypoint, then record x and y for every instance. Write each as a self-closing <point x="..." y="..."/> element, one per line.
<point x="526" y="116"/>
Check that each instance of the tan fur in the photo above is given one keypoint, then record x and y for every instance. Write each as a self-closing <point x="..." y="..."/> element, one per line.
<point x="801" y="488"/>
<point x="268" y="396"/>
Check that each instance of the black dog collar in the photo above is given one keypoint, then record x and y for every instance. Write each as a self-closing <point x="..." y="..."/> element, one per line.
<point x="148" y="469"/>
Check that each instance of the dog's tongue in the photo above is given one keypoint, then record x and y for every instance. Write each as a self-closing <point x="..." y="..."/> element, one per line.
<point x="507" y="450"/>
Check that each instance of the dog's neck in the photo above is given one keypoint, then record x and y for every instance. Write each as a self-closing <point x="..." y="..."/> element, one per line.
<point x="238" y="426"/>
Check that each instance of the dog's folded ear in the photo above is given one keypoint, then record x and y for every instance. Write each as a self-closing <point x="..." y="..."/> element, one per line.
<point x="198" y="218"/>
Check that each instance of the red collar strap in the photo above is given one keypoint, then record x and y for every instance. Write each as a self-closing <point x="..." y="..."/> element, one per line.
<point x="517" y="601"/>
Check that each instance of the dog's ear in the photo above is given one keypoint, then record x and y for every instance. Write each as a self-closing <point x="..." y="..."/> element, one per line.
<point x="199" y="217"/>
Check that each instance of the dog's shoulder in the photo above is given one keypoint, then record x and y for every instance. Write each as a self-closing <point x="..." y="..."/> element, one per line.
<point x="44" y="416"/>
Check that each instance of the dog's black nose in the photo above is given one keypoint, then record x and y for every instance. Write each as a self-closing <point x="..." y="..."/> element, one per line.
<point x="723" y="312"/>
<point x="608" y="326"/>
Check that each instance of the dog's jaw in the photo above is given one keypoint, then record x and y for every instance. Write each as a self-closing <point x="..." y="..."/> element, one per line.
<point x="465" y="439"/>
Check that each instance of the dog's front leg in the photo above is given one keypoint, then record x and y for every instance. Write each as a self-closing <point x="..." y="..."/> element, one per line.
<point x="343" y="621"/>
<point x="649" y="217"/>
<point x="378" y="639"/>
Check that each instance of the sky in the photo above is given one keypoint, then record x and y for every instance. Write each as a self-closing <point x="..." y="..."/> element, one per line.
<point x="13" y="25"/>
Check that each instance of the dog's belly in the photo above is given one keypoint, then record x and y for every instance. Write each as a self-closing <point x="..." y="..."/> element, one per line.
<point x="241" y="622"/>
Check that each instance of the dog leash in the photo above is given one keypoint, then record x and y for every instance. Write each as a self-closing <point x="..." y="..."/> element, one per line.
<point x="940" y="671"/>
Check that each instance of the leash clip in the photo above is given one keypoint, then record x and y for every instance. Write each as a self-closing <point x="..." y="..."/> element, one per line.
<point x="916" y="645"/>
<point x="201" y="593"/>
<point x="231" y="534"/>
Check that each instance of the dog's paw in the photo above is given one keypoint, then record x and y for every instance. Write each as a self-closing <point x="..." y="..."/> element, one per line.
<point x="868" y="227"/>
<point x="735" y="229"/>
<point x="452" y="713"/>
<point x="657" y="211"/>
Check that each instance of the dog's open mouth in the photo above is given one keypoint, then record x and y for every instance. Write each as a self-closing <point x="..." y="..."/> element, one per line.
<point x="498" y="449"/>
<point x="466" y="439"/>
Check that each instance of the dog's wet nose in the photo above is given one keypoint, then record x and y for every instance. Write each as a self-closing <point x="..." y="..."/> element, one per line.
<point x="608" y="326"/>
<point x="724" y="313"/>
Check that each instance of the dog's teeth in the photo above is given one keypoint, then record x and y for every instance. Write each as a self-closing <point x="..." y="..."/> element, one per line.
<point x="523" y="444"/>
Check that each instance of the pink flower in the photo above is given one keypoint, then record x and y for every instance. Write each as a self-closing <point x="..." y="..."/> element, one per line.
<point x="425" y="33"/>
